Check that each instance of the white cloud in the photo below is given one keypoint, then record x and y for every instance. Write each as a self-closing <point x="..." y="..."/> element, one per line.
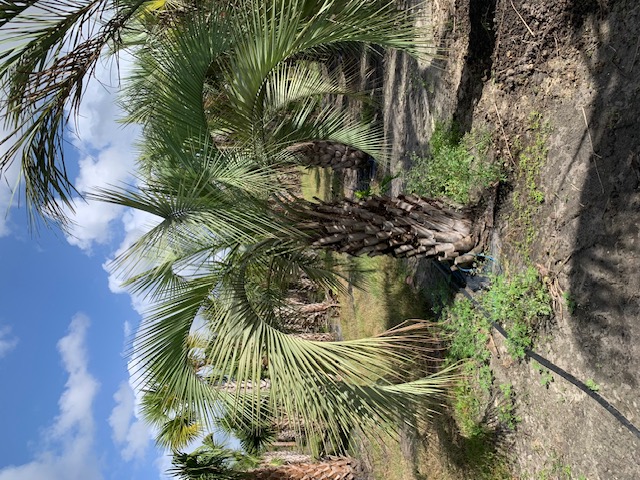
<point x="129" y="432"/>
<point x="68" y="445"/>
<point x="8" y="184"/>
<point x="7" y="341"/>
<point x="107" y="155"/>
<point x="135" y="223"/>
<point x="121" y="414"/>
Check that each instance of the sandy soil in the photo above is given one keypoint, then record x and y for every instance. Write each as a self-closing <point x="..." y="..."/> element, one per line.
<point x="576" y="65"/>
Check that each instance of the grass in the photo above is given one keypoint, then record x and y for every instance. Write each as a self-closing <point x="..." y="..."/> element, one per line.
<point x="457" y="166"/>
<point x="317" y="182"/>
<point x="437" y="451"/>
<point x="518" y="303"/>
<point x="384" y="301"/>
<point x="527" y="196"/>
<point x="558" y="470"/>
<point x="466" y="443"/>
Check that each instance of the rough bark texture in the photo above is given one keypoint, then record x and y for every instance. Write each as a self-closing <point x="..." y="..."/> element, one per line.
<point x="334" y="469"/>
<point x="404" y="226"/>
<point x="330" y="154"/>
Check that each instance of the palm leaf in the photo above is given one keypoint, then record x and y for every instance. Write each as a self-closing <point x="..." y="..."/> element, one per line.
<point x="51" y="47"/>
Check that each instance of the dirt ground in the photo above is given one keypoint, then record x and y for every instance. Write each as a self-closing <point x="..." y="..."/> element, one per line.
<point x="574" y="64"/>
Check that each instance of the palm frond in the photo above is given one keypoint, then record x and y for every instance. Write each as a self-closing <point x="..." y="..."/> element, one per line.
<point x="51" y="48"/>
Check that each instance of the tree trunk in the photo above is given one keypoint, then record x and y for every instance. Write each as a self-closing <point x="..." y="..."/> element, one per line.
<point x="405" y="226"/>
<point x="340" y="468"/>
<point x="330" y="154"/>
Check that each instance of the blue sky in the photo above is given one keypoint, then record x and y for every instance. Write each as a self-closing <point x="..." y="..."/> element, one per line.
<point x="69" y="411"/>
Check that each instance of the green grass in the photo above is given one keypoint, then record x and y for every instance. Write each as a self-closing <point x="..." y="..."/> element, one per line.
<point x="527" y="196"/>
<point x="383" y="301"/>
<point x="456" y="168"/>
<point x="506" y="408"/>
<point x="518" y="303"/>
<point x="317" y="182"/>
<point x="557" y="470"/>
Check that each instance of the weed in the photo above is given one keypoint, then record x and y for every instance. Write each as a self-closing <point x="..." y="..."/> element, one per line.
<point x="527" y="196"/>
<point x="558" y="470"/>
<point x="572" y="304"/>
<point x="545" y="375"/>
<point x="456" y="166"/>
<point x="469" y="336"/>
<point x="470" y="333"/>
<point x="507" y="407"/>
<point x="518" y="304"/>
<point x="592" y="385"/>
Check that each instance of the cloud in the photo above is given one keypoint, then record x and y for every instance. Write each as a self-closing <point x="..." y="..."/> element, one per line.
<point x="68" y="444"/>
<point x="107" y="155"/>
<point x="135" y="224"/>
<point x="129" y="432"/>
<point x="7" y="341"/>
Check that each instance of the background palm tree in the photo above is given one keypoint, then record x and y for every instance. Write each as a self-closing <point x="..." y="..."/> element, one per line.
<point x="210" y="461"/>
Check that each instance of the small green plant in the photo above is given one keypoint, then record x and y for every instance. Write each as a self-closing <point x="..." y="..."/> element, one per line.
<point x="507" y="407"/>
<point x="469" y="336"/>
<point x="570" y="302"/>
<point x="592" y="385"/>
<point x="456" y="166"/>
<point x="518" y="303"/>
<point x="545" y="375"/>
<point x="527" y="196"/>
<point x="558" y="470"/>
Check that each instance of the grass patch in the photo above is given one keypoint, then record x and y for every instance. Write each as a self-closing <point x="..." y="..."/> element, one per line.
<point x="518" y="303"/>
<point x="385" y="299"/>
<point x="558" y="470"/>
<point x="527" y="196"/>
<point x="457" y="166"/>
<point x="317" y="182"/>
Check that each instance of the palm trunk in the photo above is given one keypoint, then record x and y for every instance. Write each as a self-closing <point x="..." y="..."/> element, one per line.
<point x="405" y="226"/>
<point x="340" y="468"/>
<point x="330" y="154"/>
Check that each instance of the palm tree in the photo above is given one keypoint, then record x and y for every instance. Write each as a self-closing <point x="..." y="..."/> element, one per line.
<point x="211" y="461"/>
<point x="260" y="73"/>
<point x="262" y="97"/>
<point x="229" y="234"/>
<point x="51" y="49"/>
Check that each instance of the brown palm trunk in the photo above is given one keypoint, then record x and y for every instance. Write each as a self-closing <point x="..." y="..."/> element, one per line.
<point x="405" y="226"/>
<point x="330" y="154"/>
<point x="340" y="468"/>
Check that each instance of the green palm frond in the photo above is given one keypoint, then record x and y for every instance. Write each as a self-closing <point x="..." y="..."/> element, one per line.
<point x="226" y="243"/>
<point x="49" y="50"/>
<point x="324" y="384"/>
<point x="166" y="88"/>
<point x="250" y="65"/>
<point x="210" y="461"/>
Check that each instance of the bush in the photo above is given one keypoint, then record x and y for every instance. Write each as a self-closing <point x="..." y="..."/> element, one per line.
<point x="456" y="168"/>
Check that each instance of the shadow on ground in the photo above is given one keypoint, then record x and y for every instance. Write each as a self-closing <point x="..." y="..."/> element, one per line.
<point x="604" y="277"/>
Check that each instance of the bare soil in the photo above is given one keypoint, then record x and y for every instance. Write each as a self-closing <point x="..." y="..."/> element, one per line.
<point x="576" y="65"/>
